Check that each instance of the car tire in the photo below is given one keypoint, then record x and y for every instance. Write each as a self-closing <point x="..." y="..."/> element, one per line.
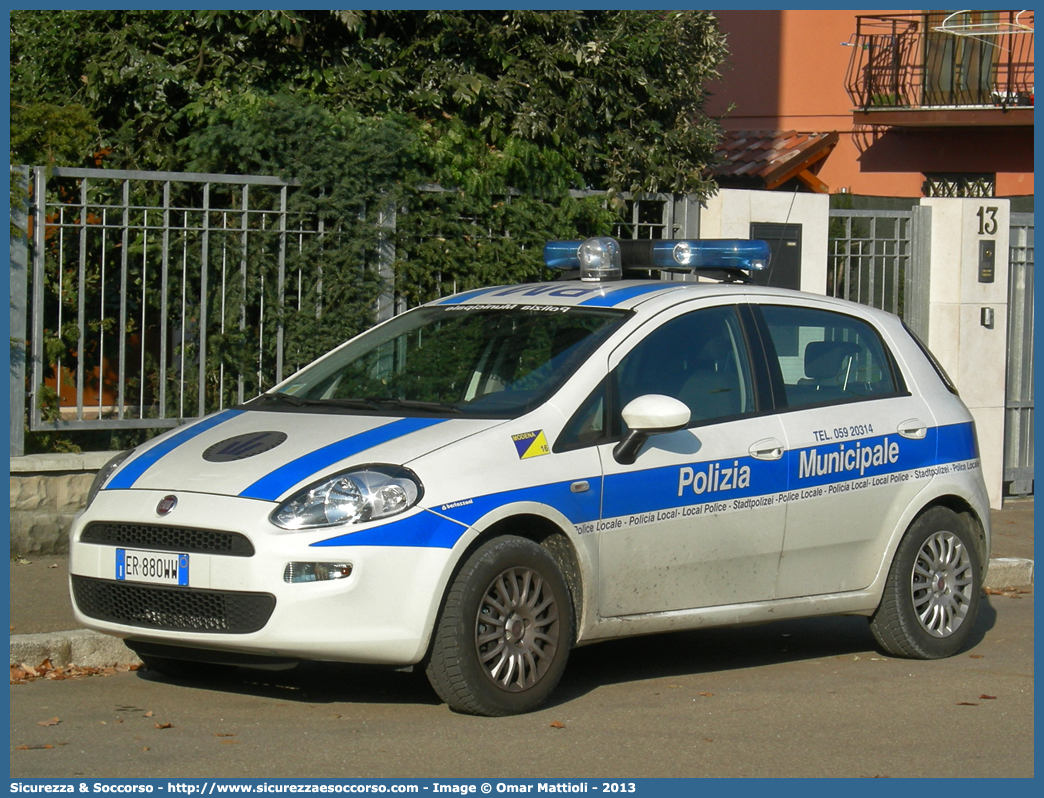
<point x="932" y="593"/>
<point x="503" y="638"/>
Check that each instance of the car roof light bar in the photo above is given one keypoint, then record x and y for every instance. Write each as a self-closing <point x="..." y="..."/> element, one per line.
<point x="598" y="259"/>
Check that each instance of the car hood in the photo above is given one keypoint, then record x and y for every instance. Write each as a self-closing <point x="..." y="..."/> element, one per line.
<point x="268" y="455"/>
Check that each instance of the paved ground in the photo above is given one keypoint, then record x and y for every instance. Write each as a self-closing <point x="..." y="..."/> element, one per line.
<point x="797" y="698"/>
<point x="40" y="590"/>
<point x="804" y="698"/>
<point x="1013" y="529"/>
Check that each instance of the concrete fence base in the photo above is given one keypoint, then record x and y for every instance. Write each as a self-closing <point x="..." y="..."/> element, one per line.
<point x="47" y="491"/>
<point x="82" y="647"/>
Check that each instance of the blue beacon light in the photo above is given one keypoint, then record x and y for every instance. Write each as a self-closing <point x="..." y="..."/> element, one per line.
<point x="603" y="258"/>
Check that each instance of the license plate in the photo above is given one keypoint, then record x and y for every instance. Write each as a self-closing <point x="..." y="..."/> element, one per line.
<point x="155" y="567"/>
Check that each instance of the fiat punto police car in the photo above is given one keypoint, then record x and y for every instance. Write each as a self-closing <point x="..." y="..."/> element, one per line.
<point x="484" y="482"/>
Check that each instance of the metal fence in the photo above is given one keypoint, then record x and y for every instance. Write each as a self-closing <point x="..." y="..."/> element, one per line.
<point x="140" y="284"/>
<point x="127" y="268"/>
<point x="942" y="59"/>
<point x="1018" y="402"/>
<point x="880" y="258"/>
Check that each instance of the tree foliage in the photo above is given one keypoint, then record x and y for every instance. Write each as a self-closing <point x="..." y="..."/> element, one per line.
<point x="468" y="128"/>
<point x="349" y="172"/>
<point x="617" y="94"/>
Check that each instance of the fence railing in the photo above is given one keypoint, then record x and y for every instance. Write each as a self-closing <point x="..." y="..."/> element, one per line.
<point x="1018" y="402"/>
<point x="160" y="297"/>
<point x="127" y="269"/>
<point x="939" y="59"/>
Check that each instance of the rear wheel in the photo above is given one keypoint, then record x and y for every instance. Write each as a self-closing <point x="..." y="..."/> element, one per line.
<point x="502" y="641"/>
<point x="932" y="594"/>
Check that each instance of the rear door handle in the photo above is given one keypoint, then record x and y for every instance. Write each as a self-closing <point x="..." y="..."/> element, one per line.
<point x="767" y="449"/>
<point x="913" y="428"/>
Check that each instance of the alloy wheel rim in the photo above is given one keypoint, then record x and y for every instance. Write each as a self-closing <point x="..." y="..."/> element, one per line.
<point x="942" y="584"/>
<point x="517" y="629"/>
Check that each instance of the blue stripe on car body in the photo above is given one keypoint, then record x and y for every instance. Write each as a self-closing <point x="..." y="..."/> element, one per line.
<point x="458" y="299"/>
<point x="614" y="298"/>
<point x="132" y="470"/>
<point x="654" y="489"/>
<point x="271" y="486"/>
<point x="425" y="529"/>
<point x="450" y="521"/>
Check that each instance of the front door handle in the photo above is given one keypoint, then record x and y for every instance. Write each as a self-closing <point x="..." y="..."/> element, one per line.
<point x="767" y="449"/>
<point x="913" y="428"/>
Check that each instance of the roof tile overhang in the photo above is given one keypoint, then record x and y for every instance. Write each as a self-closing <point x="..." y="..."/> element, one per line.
<point x="769" y="158"/>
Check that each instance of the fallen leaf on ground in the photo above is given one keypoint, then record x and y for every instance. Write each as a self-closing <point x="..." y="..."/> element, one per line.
<point x="1008" y="592"/>
<point x="164" y="725"/>
<point x="967" y="704"/>
<point x="51" y="722"/>
<point x="149" y="714"/>
<point x="556" y="724"/>
<point x="988" y="697"/>
<point x="33" y="747"/>
<point x="23" y="672"/>
<point x="705" y="695"/>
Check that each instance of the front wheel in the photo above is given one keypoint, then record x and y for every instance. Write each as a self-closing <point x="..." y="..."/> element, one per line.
<point x="502" y="641"/>
<point x="932" y="593"/>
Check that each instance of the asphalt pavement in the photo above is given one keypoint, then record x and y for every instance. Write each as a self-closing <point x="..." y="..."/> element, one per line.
<point x="803" y="698"/>
<point x="42" y="625"/>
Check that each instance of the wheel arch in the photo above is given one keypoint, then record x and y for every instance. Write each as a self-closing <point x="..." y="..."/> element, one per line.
<point x="529" y="523"/>
<point x="549" y="536"/>
<point x="972" y="521"/>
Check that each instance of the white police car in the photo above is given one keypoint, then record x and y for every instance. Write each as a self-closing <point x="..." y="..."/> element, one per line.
<point x="484" y="482"/>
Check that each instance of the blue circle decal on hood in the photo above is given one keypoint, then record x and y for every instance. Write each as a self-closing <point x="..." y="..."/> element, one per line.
<point x="243" y="446"/>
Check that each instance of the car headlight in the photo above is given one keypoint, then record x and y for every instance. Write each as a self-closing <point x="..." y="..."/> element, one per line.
<point x="104" y="473"/>
<point x="350" y="498"/>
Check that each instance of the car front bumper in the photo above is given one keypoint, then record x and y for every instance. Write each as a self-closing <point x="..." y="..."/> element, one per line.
<point x="382" y="613"/>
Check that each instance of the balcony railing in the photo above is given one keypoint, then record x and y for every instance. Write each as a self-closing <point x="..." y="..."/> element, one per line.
<point x="966" y="59"/>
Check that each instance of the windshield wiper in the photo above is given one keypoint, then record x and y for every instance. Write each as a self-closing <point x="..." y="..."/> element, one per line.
<point x="369" y="403"/>
<point x="296" y="401"/>
<point x="282" y="398"/>
<point x="416" y="404"/>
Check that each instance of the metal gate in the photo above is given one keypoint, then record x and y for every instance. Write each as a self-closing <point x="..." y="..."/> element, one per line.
<point x="137" y="278"/>
<point x="155" y="297"/>
<point x="880" y="258"/>
<point x="1018" y="394"/>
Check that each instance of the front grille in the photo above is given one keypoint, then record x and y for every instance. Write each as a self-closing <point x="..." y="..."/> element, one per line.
<point x="173" y="609"/>
<point x="169" y="538"/>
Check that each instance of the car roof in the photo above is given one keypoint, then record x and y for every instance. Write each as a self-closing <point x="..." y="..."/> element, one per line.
<point x="629" y="295"/>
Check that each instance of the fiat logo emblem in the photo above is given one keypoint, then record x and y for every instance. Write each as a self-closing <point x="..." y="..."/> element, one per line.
<point x="166" y="504"/>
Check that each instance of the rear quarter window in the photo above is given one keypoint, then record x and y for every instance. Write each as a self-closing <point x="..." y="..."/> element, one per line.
<point x="823" y="357"/>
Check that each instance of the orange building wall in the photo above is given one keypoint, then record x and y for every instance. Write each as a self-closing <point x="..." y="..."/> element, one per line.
<point x="787" y="71"/>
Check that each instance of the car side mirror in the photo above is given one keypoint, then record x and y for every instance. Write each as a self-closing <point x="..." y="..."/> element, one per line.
<point x="645" y="416"/>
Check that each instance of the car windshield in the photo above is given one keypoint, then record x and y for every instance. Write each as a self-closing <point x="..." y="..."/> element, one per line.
<point x="471" y="360"/>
